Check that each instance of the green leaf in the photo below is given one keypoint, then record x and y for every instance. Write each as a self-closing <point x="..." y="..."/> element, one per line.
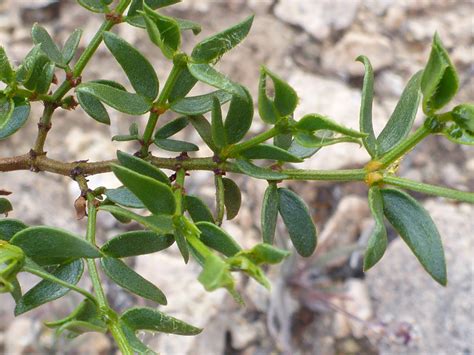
<point x="157" y="197"/>
<point x="98" y="6"/>
<point x="314" y="122"/>
<point x="197" y="105"/>
<point x="138" y="69"/>
<point x="142" y="167"/>
<point x="132" y="104"/>
<point x="402" y="118"/>
<point x="9" y="227"/>
<point x="163" y="31"/>
<point x="93" y="107"/>
<point x="48" y="245"/>
<point x="70" y="46"/>
<point x="5" y="206"/>
<point x="208" y="75"/>
<point x="440" y="81"/>
<point x="174" y="145"/>
<point x="6" y="71"/>
<point x="300" y="151"/>
<point x="217" y="239"/>
<point x="136" y="243"/>
<point x="42" y="37"/>
<point x="232" y="198"/>
<point x="26" y="68"/>
<point x="46" y="291"/>
<point x="124" y="197"/>
<point x="187" y="25"/>
<point x="128" y="279"/>
<point x="239" y="117"/>
<point x="298" y="221"/>
<point x="309" y="140"/>
<point x="13" y="115"/>
<point x="265" y="254"/>
<point x="267" y="151"/>
<point x="197" y="209"/>
<point x="161" y="224"/>
<point x="284" y="101"/>
<point x="213" y="48"/>
<point x="463" y="115"/>
<point x="133" y="340"/>
<point x="156" y="321"/>
<point x="365" y="117"/>
<point x="180" y="238"/>
<point x="171" y="128"/>
<point x="45" y="79"/>
<point x="378" y="239"/>
<point x="418" y="230"/>
<point x="184" y="83"/>
<point x="203" y="127"/>
<point x="241" y="262"/>
<point x="269" y="214"/>
<point x="283" y="140"/>
<point x="217" y="125"/>
<point x="257" y="172"/>
<point x="37" y="71"/>
<point x="137" y="5"/>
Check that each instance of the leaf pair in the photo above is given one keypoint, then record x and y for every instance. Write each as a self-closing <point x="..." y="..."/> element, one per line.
<point x="36" y="71"/>
<point x="414" y="225"/>
<point x="295" y="215"/>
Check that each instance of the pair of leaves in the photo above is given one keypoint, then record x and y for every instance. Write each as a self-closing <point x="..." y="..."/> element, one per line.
<point x="59" y="57"/>
<point x="284" y="100"/>
<point x="162" y="137"/>
<point x="414" y="225"/>
<point x="36" y="71"/>
<point x="295" y="215"/>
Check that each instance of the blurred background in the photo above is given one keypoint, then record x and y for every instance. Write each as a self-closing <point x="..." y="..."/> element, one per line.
<point x="321" y="305"/>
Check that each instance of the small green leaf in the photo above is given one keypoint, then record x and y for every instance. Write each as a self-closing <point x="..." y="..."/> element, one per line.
<point x="9" y="227"/>
<point x="133" y="340"/>
<point x="314" y="122"/>
<point x="197" y="209"/>
<point x="124" y="197"/>
<point x="13" y="115"/>
<point x="132" y="104"/>
<point x="239" y="117"/>
<point x="142" y="167"/>
<point x="298" y="221"/>
<point x="458" y="135"/>
<point x="138" y="69"/>
<point x="93" y="107"/>
<point x="402" y="118"/>
<point x="440" y="81"/>
<point x="5" y="206"/>
<point x="302" y="152"/>
<point x="217" y="239"/>
<point x="365" y="117"/>
<point x="217" y="125"/>
<point x="213" y="48"/>
<point x="208" y="75"/>
<point x="203" y="127"/>
<point x="26" y="68"/>
<point x="283" y="140"/>
<point x="184" y="83"/>
<point x="98" y="6"/>
<point x="267" y="151"/>
<point x="171" y="128"/>
<point x="46" y="291"/>
<point x="6" y="72"/>
<point x="463" y="115"/>
<point x="163" y="31"/>
<point x="70" y="46"/>
<point x="257" y="172"/>
<point x="48" y="245"/>
<point x="232" y="198"/>
<point x="187" y="25"/>
<point x="418" y="230"/>
<point x="38" y="73"/>
<point x="155" y="195"/>
<point x="137" y="5"/>
<point x="42" y="37"/>
<point x="45" y="79"/>
<point x="284" y="101"/>
<point x="161" y="224"/>
<point x="269" y="214"/>
<point x="136" y="243"/>
<point x="309" y="140"/>
<point x="197" y="105"/>
<point x="265" y="254"/>
<point x="156" y="321"/>
<point x="378" y="239"/>
<point x="128" y="279"/>
<point x="173" y="145"/>
<point x="180" y="238"/>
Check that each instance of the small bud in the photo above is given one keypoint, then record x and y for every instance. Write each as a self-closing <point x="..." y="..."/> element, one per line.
<point x="463" y="115"/>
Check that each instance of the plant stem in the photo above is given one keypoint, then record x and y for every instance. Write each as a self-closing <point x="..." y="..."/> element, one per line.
<point x="178" y="192"/>
<point x="47" y="276"/>
<point x="260" y="138"/>
<point x="429" y="189"/>
<point x="219" y="198"/>
<point x="113" y="325"/>
<point x="44" y="126"/>
<point x="405" y="146"/>
<point x="326" y="175"/>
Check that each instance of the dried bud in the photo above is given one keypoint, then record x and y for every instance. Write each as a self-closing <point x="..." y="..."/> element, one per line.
<point x="80" y="206"/>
